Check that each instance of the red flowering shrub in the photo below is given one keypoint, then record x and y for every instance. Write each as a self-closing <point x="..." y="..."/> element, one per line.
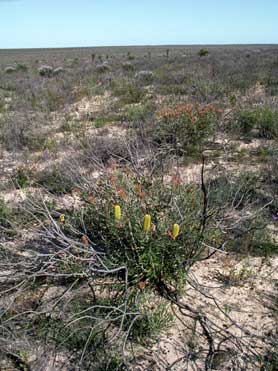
<point x="185" y="127"/>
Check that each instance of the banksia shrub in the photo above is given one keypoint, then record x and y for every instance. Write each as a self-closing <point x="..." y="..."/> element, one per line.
<point x="155" y="232"/>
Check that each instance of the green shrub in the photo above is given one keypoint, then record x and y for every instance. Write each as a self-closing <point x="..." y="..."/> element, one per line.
<point x="102" y="121"/>
<point x="127" y="92"/>
<point x="21" y="67"/>
<point x="247" y="121"/>
<point x="140" y="113"/>
<point x="5" y="214"/>
<point x="130" y="56"/>
<point x="233" y="100"/>
<point x="144" y="77"/>
<point x="272" y="86"/>
<point x="206" y="90"/>
<point x="22" y="178"/>
<point x="268" y="124"/>
<point x="264" y="121"/>
<point x="203" y="52"/>
<point x="55" y="181"/>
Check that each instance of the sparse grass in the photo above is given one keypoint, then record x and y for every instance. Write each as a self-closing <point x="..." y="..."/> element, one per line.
<point x="234" y="276"/>
<point x="151" y="323"/>
<point x="128" y="92"/>
<point x="55" y="181"/>
<point x="22" y="178"/>
<point x="5" y="214"/>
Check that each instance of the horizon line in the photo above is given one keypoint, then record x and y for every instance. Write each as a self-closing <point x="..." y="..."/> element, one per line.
<point x="140" y="46"/>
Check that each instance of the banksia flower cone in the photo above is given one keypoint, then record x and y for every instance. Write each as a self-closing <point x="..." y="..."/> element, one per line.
<point x="147" y="223"/>
<point x="176" y="231"/>
<point x="62" y="218"/>
<point x="118" y="212"/>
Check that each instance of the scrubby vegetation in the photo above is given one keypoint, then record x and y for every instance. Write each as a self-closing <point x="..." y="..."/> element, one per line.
<point x="139" y="209"/>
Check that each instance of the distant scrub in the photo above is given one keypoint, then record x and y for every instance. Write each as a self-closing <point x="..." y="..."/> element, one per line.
<point x="145" y="77"/>
<point x="130" y="56"/>
<point x="46" y="71"/>
<point x="128" y="66"/>
<point x="128" y="92"/>
<point x="203" y="52"/>
<point x="58" y="71"/>
<point x="17" y="67"/>
<point x="103" y="67"/>
<point x="21" y="67"/>
<point x="10" y="69"/>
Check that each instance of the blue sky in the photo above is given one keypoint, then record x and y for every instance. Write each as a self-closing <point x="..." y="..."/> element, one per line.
<point x="65" y="23"/>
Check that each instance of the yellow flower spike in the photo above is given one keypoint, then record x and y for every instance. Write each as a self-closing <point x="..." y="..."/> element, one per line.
<point x="118" y="212"/>
<point x="147" y="223"/>
<point x="176" y="231"/>
<point x="62" y="218"/>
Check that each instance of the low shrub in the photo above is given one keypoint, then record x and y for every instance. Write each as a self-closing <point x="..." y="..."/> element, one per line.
<point x="55" y="181"/>
<point x="130" y="56"/>
<point x="5" y="214"/>
<point x="21" y="67"/>
<point x="58" y="71"/>
<point x="10" y="69"/>
<point x="247" y="120"/>
<point x="207" y="91"/>
<point x="104" y="148"/>
<point x="128" y="66"/>
<point x="203" y="52"/>
<point x="102" y="68"/>
<point x="128" y="92"/>
<point x="145" y="77"/>
<point x="22" y="178"/>
<point x="184" y="128"/>
<point x="140" y="113"/>
<point x="268" y="124"/>
<point x="45" y="71"/>
<point x="262" y="122"/>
